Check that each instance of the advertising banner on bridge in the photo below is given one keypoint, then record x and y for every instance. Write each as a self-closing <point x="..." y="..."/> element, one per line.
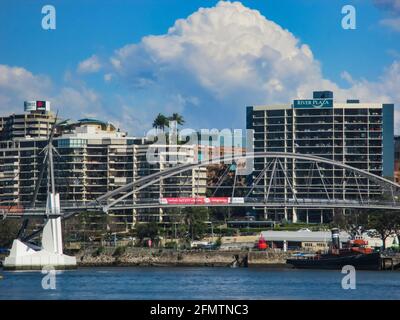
<point x="219" y="200"/>
<point x="185" y="200"/>
<point x="194" y="201"/>
<point x="237" y="200"/>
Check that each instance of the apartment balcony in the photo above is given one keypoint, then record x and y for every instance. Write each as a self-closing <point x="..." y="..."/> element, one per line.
<point x="258" y="116"/>
<point x="7" y="193"/>
<point x="258" y="124"/>
<point x="309" y="114"/>
<point x="96" y="155"/>
<point x="121" y="169"/>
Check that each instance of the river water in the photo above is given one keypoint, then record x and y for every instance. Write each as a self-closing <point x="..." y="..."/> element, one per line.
<point x="199" y="283"/>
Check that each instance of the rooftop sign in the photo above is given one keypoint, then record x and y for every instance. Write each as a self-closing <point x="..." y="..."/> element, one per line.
<point x="37" y="105"/>
<point x="313" y="103"/>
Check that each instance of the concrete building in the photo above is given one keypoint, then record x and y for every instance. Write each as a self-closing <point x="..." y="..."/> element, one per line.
<point x="207" y="153"/>
<point x="320" y="240"/>
<point x="302" y="239"/>
<point x="95" y="157"/>
<point x="191" y="183"/>
<point x="35" y="122"/>
<point x="20" y="163"/>
<point x="22" y="138"/>
<point x="354" y="133"/>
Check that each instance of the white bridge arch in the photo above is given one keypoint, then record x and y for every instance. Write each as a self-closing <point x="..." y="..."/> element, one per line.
<point x="116" y="198"/>
<point x="119" y="198"/>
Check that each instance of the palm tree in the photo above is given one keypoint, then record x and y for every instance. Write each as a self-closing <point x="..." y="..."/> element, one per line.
<point x="160" y="122"/>
<point x="178" y="118"/>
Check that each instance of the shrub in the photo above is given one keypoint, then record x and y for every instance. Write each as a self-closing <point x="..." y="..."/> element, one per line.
<point x="218" y="242"/>
<point x="99" y="251"/>
<point x="171" y="245"/>
<point x="119" y="251"/>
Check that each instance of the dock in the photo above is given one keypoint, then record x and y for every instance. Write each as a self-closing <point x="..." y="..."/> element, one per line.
<point x="390" y="262"/>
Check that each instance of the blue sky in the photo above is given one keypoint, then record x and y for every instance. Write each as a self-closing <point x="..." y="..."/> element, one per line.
<point x="100" y="28"/>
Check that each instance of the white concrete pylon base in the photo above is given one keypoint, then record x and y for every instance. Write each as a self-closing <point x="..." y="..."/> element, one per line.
<point x="26" y="257"/>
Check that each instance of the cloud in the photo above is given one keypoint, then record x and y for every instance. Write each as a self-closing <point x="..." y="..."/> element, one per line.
<point x="208" y="67"/>
<point x="90" y="65"/>
<point x="71" y="99"/>
<point x="77" y="102"/>
<point x="107" y="77"/>
<point x="18" y="84"/>
<point x="384" y="90"/>
<point x="392" y="23"/>
<point x="392" y="6"/>
<point x="219" y="60"/>
<point x="393" y="53"/>
<point x="347" y="76"/>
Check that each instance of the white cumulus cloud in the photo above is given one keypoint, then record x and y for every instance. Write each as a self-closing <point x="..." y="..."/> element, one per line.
<point x="229" y="56"/>
<point x="224" y="58"/>
<point x="90" y="65"/>
<point x="208" y="67"/>
<point x="72" y="100"/>
<point x="393" y="23"/>
<point x="18" y="84"/>
<point x="393" y="8"/>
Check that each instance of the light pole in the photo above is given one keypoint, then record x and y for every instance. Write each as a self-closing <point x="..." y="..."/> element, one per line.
<point x="176" y="241"/>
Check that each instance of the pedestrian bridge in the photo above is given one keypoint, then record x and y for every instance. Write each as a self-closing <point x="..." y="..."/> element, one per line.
<point x="280" y="180"/>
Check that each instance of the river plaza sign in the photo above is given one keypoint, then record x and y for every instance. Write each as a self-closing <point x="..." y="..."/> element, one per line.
<point x="313" y="103"/>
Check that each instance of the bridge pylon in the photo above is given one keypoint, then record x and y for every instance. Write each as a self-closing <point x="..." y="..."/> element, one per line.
<point x="25" y="256"/>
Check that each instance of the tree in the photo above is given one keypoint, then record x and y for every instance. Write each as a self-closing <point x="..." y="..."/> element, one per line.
<point x="147" y="230"/>
<point x="354" y="222"/>
<point x="384" y="223"/>
<point x="219" y="214"/>
<point x="178" y="227"/>
<point x="178" y="118"/>
<point x="195" y="219"/>
<point x="160" y="122"/>
<point x="8" y="231"/>
<point x="397" y="224"/>
<point x="357" y="222"/>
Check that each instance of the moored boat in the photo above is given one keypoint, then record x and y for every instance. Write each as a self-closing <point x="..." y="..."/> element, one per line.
<point x="355" y="254"/>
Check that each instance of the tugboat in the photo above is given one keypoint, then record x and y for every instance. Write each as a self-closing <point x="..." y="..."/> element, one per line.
<point x="355" y="254"/>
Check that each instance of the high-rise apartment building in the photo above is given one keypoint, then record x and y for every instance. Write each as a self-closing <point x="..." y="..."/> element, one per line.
<point x="191" y="183"/>
<point x="36" y="122"/>
<point x="355" y="133"/>
<point x="94" y="158"/>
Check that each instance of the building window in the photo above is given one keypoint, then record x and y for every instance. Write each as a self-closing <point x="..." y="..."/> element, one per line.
<point x="71" y="143"/>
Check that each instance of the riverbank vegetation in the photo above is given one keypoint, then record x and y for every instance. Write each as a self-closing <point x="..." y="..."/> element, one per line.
<point x="186" y="225"/>
<point x="356" y="222"/>
<point x="8" y="231"/>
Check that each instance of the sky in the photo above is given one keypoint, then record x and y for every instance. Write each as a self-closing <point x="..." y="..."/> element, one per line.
<point x="126" y="61"/>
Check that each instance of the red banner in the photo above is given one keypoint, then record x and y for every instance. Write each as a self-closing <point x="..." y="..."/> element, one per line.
<point x="194" y="201"/>
<point x="217" y="200"/>
<point x="179" y="200"/>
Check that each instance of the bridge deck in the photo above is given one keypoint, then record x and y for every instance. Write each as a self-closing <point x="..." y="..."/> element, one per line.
<point x="67" y="209"/>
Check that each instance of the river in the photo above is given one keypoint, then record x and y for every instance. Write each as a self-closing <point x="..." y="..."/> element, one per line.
<point x="199" y="283"/>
